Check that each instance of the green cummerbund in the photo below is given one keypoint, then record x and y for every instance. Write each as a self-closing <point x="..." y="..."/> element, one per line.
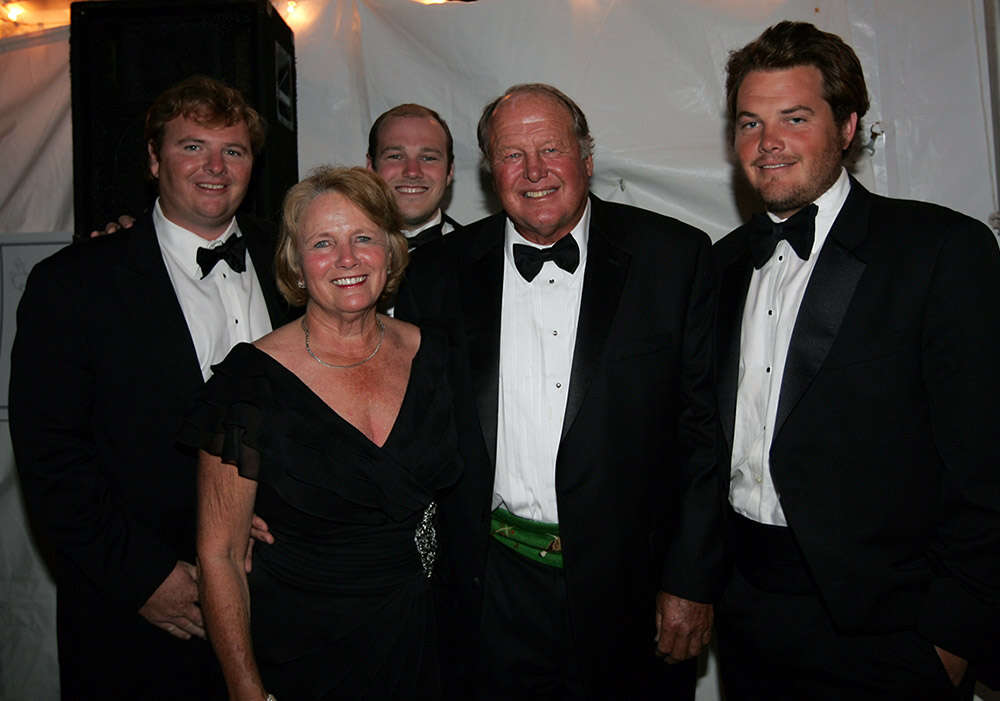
<point x="536" y="540"/>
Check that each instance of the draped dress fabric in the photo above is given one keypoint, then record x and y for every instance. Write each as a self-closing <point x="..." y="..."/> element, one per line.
<point x="341" y="605"/>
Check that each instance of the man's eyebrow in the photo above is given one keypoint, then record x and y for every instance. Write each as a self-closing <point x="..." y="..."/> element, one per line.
<point x="787" y="110"/>
<point x="399" y="147"/>
<point x="798" y="108"/>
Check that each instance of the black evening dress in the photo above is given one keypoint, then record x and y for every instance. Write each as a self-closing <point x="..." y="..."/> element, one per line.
<point x="341" y="606"/>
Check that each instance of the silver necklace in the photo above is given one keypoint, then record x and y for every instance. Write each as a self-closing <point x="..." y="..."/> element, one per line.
<point x="381" y="336"/>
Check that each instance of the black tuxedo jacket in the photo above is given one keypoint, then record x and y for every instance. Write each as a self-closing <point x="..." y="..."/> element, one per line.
<point x="103" y="369"/>
<point x="885" y="453"/>
<point x="638" y="488"/>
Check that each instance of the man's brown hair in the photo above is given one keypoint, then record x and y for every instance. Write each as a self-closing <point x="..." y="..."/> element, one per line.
<point x="206" y="101"/>
<point x="792" y="44"/>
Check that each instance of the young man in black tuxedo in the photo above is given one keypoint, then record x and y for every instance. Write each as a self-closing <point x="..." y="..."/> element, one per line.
<point x="115" y="336"/>
<point x="857" y="386"/>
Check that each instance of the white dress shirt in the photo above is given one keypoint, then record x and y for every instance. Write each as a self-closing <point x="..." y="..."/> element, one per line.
<point x="772" y="305"/>
<point x="538" y="321"/>
<point x="221" y="310"/>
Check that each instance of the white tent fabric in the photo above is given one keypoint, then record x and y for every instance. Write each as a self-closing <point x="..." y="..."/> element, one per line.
<point x="36" y="195"/>
<point x="649" y="75"/>
<point x="36" y="183"/>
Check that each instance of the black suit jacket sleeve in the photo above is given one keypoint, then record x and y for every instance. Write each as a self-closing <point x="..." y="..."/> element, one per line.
<point x="960" y="338"/>
<point x="694" y="563"/>
<point x="68" y="489"/>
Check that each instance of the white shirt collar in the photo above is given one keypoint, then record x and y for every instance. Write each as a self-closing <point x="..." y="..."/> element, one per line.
<point x="433" y="221"/>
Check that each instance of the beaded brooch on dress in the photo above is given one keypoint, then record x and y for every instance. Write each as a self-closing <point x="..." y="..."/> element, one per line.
<point x="426" y="539"/>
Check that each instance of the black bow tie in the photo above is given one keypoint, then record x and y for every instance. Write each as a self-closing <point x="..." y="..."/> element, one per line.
<point x="233" y="251"/>
<point x="528" y="260"/>
<point x="425" y="236"/>
<point x="799" y="230"/>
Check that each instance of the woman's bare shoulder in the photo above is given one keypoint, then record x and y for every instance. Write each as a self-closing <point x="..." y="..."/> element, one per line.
<point x="282" y="340"/>
<point x="405" y="334"/>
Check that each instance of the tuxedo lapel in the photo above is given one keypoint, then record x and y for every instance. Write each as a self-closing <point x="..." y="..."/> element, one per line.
<point x="261" y="251"/>
<point x="603" y="280"/>
<point x="825" y="301"/>
<point x="482" y="288"/>
<point x="735" y="281"/>
<point x="153" y="310"/>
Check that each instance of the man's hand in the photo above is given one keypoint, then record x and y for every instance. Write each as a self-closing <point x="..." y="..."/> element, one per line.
<point x="124" y="222"/>
<point x="683" y="627"/>
<point x="258" y="531"/>
<point x="954" y="665"/>
<point x="174" y="605"/>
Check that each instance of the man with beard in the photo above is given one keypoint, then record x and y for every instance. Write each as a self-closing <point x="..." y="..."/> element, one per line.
<point x="857" y="390"/>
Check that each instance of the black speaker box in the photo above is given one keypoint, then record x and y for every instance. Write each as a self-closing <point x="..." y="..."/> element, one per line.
<point x="123" y="53"/>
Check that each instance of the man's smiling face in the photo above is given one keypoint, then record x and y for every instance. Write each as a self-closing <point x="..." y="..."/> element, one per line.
<point x="203" y="173"/>
<point x="412" y="157"/>
<point x="786" y="139"/>
<point x="538" y="172"/>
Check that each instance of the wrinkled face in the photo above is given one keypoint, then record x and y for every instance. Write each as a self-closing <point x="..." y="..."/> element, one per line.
<point x="412" y="157"/>
<point x="538" y="173"/>
<point x="786" y="140"/>
<point x="203" y="174"/>
<point x="343" y="255"/>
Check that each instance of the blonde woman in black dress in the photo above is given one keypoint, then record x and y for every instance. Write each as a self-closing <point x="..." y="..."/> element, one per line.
<point x="337" y="430"/>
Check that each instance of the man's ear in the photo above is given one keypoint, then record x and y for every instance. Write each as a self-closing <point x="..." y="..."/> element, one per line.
<point x="847" y="130"/>
<point x="154" y="162"/>
<point x="451" y="174"/>
<point x="369" y="164"/>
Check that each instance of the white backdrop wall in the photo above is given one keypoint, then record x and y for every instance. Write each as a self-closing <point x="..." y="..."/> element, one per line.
<point x="649" y="75"/>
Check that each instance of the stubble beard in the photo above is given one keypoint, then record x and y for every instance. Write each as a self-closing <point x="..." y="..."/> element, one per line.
<point x="821" y="176"/>
<point x="805" y="194"/>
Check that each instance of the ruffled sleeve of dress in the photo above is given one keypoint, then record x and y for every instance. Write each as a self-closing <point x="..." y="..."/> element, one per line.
<point x="227" y="418"/>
